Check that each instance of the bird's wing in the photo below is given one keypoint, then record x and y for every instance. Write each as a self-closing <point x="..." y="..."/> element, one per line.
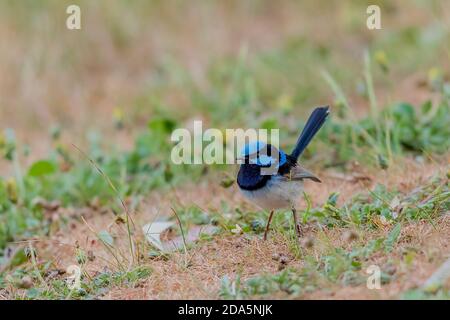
<point x="299" y="173"/>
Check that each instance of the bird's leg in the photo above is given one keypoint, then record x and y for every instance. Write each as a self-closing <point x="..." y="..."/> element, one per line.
<point x="268" y="225"/>
<point x="297" y="226"/>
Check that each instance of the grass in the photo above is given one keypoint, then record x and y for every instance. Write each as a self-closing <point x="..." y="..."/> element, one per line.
<point x="346" y="265"/>
<point x="382" y="155"/>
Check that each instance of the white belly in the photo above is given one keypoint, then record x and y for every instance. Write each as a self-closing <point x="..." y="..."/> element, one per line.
<point x="276" y="194"/>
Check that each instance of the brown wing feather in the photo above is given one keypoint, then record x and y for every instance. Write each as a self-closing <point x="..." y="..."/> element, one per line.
<point x="299" y="173"/>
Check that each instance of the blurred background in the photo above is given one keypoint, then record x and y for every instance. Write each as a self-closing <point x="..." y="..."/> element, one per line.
<point x="138" y="69"/>
<point x="230" y="63"/>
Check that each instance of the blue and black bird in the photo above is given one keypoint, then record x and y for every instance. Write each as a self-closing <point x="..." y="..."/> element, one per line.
<point x="279" y="190"/>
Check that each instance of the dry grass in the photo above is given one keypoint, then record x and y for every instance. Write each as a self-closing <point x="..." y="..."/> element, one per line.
<point x="250" y="256"/>
<point x="55" y="76"/>
<point x="76" y="79"/>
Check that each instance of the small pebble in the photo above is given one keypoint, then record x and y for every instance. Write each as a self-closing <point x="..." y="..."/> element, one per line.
<point x="284" y="260"/>
<point x="26" y="282"/>
<point x="307" y="242"/>
<point x="350" y="235"/>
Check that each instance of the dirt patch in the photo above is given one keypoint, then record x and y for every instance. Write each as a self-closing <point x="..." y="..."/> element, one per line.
<point x="198" y="275"/>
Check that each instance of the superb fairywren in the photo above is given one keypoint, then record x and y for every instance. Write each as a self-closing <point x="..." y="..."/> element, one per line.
<point x="281" y="189"/>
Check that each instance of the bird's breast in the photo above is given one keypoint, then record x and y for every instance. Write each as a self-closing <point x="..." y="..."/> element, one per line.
<point x="277" y="193"/>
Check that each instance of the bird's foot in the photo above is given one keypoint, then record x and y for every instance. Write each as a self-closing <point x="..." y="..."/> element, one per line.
<point x="268" y="225"/>
<point x="298" y="230"/>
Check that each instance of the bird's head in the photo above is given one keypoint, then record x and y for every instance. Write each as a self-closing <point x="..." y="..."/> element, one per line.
<point x="262" y="154"/>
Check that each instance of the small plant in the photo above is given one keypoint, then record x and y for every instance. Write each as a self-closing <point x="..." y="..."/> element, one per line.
<point x="231" y="289"/>
<point x="394" y="130"/>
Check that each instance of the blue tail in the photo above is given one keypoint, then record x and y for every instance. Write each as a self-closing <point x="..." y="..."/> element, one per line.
<point x="314" y="123"/>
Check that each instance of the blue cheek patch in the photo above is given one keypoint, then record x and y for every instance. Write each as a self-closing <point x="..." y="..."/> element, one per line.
<point x="252" y="147"/>
<point x="264" y="160"/>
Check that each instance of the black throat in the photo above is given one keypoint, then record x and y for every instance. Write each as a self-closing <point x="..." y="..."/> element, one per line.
<point x="250" y="178"/>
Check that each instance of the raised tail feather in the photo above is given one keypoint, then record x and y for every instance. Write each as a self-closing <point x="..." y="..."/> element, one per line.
<point x="314" y="123"/>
